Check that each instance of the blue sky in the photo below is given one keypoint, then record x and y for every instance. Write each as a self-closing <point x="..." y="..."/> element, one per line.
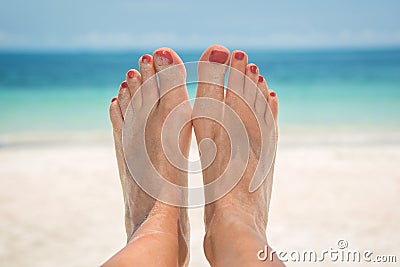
<point x="121" y="24"/>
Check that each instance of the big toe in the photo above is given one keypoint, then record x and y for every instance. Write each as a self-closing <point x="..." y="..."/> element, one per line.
<point x="172" y="76"/>
<point x="212" y="69"/>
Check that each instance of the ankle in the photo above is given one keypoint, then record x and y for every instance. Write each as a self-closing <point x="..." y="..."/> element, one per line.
<point x="228" y="216"/>
<point x="223" y="227"/>
<point x="227" y="234"/>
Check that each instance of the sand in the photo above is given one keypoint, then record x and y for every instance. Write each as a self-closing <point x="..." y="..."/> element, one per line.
<point x="61" y="201"/>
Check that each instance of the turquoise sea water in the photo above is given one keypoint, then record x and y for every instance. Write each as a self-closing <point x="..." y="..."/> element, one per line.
<point x="51" y="92"/>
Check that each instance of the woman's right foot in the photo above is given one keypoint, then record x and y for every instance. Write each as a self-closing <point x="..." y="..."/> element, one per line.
<point x="234" y="221"/>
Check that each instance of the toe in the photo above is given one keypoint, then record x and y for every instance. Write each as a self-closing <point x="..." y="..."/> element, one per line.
<point x="116" y="115"/>
<point x="261" y="96"/>
<point x="134" y="81"/>
<point x="250" y="84"/>
<point x="239" y="61"/>
<point x="165" y="58"/>
<point x="212" y="76"/>
<point x="124" y="97"/>
<point x="263" y="87"/>
<point x="149" y="88"/>
<point x="212" y="68"/>
<point x="172" y="76"/>
<point x="236" y="77"/>
<point x="273" y="104"/>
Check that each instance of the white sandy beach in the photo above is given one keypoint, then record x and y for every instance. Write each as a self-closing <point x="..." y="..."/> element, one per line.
<point x="61" y="202"/>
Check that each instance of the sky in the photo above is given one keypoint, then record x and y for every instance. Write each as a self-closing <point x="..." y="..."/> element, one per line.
<point x="122" y="24"/>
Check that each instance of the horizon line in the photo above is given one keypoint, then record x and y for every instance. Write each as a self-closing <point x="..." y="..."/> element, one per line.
<point x="197" y="49"/>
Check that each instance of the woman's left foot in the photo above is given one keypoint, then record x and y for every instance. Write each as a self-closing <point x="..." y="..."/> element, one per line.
<point x="143" y="213"/>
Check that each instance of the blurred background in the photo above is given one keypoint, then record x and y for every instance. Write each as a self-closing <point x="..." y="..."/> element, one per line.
<point x="335" y="66"/>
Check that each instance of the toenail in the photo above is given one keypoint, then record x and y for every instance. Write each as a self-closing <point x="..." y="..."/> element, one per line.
<point x="218" y="56"/>
<point x="124" y="85"/>
<point x="146" y="59"/>
<point x="253" y="69"/>
<point x="239" y="55"/>
<point x="114" y="99"/>
<point x="131" y="74"/>
<point x="272" y="94"/>
<point x="163" y="58"/>
<point x="260" y="79"/>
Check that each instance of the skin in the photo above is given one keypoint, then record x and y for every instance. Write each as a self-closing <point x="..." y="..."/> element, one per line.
<point x="153" y="225"/>
<point x="235" y="224"/>
<point x="158" y="234"/>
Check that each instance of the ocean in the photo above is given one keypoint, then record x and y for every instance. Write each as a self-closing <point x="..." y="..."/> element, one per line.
<point x="70" y="91"/>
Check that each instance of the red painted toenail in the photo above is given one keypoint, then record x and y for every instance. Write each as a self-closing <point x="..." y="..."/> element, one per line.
<point x="272" y="94"/>
<point x="260" y="79"/>
<point x="239" y="55"/>
<point x="253" y="69"/>
<point x="124" y="85"/>
<point x="114" y="99"/>
<point x="218" y="56"/>
<point x="131" y="74"/>
<point x="146" y="59"/>
<point x="164" y="58"/>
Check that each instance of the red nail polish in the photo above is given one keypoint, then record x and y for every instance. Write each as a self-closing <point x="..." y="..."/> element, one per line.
<point x="218" y="56"/>
<point x="239" y="55"/>
<point x="260" y="79"/>
<point x="114" y="99"/>
<point x="124" y="85"/>
<point x="163" y="58"/>
<point x="131" y="74"/>
<point x="146" y="59"/>
<point x="253" y="69"/>
<point x="272" y="94"/>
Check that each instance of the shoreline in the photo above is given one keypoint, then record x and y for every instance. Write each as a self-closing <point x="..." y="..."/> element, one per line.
<point x="287" y="136"/>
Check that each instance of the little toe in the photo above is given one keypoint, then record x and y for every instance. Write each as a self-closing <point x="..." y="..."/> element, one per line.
<point x="116" y="117"/>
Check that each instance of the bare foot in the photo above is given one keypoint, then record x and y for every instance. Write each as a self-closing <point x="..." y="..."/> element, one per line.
<point x="141" y="97"/>
<point x="234" y="221"/>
